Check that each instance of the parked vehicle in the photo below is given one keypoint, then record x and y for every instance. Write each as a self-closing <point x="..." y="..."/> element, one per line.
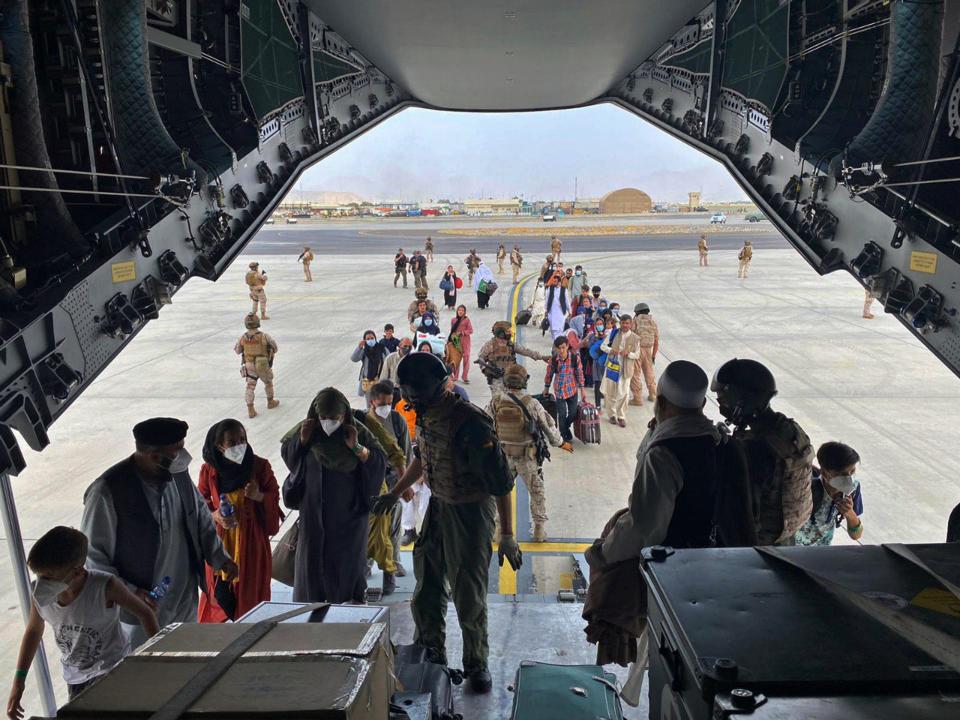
<point x="549" y="217"/>
<point x="718" y="218"/>
<point x="754" y="217"/>
<point x="291" y="221"/>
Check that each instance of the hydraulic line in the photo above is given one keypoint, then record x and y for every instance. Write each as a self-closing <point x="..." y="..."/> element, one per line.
<point x="73" y="172"/>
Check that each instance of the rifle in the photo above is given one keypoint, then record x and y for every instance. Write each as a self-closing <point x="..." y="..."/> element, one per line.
<point x="540" y="444"/>
<point x="489" y="370"/>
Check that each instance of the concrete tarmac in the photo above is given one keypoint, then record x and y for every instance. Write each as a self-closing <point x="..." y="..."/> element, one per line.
<point x="868" y="383"/>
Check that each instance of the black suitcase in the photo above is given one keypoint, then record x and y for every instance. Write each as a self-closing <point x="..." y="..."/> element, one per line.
<point x="418" y="676"/>
<point x="549" y="403"/>
<point x="780" y="623"/>
<point x="523" y="317"/>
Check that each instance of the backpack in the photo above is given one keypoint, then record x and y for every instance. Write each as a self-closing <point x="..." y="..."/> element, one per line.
<point x="783" y="499"/>
<point x="511" y="422"/>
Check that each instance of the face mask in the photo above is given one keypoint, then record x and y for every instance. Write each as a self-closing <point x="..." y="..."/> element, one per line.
<point x="404" y="350"/>
<point x="329" y="425"/>
<point x="596" y="295"/>
<point x="616" y="312"/>
<point x="236" y="453"/>
<point x="599" y="328"/>
<point x="46" y="590"/>
<point x="178" y="464"/>
<point x="371" y="342"/>
<point x="846" y="484"/>
<point x="428" y="322"/>
<point x="383" y="411"/>
<point x="578" y="273"/>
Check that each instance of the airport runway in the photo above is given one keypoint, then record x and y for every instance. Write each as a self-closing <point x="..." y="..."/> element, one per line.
<point x="337" y="240"/>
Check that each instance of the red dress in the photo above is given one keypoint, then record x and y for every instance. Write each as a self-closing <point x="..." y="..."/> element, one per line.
<point x="259" y="521"/>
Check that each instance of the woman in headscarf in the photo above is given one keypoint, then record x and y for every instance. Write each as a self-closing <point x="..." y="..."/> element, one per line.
<point x="428" y="324"/>
<point x="449" y="286"/>
<point x="461" y="330"/>
<point x="337" y="469"/>
<point x="481" y="279"/>
<point x="371" y="353"/>
<point x="231" y="470"/>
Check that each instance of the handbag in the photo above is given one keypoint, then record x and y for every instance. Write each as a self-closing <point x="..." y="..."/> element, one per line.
<point x="285" y="555"/>
<point x="452" y="353"/>
<point x="613" y="370"/>
<point x="482" y="286"/>
<point x="491" y="288"/>
<point x="446" y="285"/>
<point x="457" y="283"/>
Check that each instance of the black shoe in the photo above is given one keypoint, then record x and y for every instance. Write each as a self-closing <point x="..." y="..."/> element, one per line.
<point x="480" y="681"/>
<point x="409" y="537"/>
<point x="389" y="583"/>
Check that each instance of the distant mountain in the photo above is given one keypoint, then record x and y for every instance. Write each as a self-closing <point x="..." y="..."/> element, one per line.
<point x="321" y="197"/>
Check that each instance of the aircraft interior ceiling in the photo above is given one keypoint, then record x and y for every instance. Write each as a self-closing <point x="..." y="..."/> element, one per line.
<point x="145" y="143"/>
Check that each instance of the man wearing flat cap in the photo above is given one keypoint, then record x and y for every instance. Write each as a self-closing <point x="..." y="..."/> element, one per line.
<point x="146" y="521"/>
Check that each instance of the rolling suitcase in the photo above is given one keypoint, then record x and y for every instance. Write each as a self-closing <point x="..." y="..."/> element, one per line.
<point x="587" y="425"/>
<point x="570" y="692"/>
<point x="523" y="317"/>
<point x="549" y="404"/>
<point x="418" y="676"/>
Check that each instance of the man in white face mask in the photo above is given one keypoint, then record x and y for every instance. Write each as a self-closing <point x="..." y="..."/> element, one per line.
<point x="146" y="521"/>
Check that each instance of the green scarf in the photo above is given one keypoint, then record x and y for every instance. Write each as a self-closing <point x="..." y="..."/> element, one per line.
<point x="331" y="450"/>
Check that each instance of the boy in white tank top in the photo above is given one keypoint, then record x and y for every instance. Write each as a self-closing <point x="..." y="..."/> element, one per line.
<point x="83" y="606"/>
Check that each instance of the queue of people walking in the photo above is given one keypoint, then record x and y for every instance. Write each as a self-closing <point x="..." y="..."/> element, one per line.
<point x="418" y="463"/>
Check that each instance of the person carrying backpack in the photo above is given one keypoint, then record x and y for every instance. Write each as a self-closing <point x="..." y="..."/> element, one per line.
<point x="779" y="454"/>
<point x="525" y="428"/>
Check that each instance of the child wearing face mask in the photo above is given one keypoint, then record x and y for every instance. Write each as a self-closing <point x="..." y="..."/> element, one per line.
<point x="837" y="500"/>
<point x="84" y="608"/>
<point x="232" y="472"/>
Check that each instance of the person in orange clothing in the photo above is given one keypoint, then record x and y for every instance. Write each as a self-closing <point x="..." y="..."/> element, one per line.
<point x="231" y="470"/>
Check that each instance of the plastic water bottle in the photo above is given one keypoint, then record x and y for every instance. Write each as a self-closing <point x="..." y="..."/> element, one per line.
<point x="161" y="589"/>
<point x="226" y="508"/>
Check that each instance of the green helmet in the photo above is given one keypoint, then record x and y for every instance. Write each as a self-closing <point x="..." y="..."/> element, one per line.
<point x="251" y="322"/>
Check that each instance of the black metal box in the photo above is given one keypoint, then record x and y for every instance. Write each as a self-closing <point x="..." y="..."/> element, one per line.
<point x="808" y="623"/>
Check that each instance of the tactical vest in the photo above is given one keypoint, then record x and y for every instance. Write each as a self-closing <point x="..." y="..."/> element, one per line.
<point x="646" y="330"/>
<point x="702" y="244"/>
<point x="254" y="346"/>
<point x="253" y="279"/>
<point x="308" y="257"/>
<point x="783" y="500"/>
<point x="502" y="355"/>
<point x="746" y="253"/>
<point x="516" y="258"/>
<point x="450" y="476"/>
<point x="511" y="424"/>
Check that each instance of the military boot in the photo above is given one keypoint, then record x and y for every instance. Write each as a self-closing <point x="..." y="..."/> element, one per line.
<point x="539" y="533"/>
<point x="271" y="404"/>
<point x="251" y="411"/>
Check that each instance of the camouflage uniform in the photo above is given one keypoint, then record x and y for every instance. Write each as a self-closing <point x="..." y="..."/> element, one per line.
<point x="518" y="446"/>
<point x="745" y="256"/>
<point x="501" y="256"/>
<point x="306" y="259"/>
<point x="255" y="281"/>
<point x="703" y="249"/>
<point x="646" y="328"/>
<point x="516" y="262"/>
<point x="503" y="354"/>
<point x="258" y="350"/>
<point x="556" y="245"/>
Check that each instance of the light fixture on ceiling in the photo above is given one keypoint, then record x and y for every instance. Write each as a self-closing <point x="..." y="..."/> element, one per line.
<point x="510" y="14"/>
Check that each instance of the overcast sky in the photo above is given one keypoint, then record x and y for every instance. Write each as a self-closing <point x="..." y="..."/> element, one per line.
<point x="427" y="154"/>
